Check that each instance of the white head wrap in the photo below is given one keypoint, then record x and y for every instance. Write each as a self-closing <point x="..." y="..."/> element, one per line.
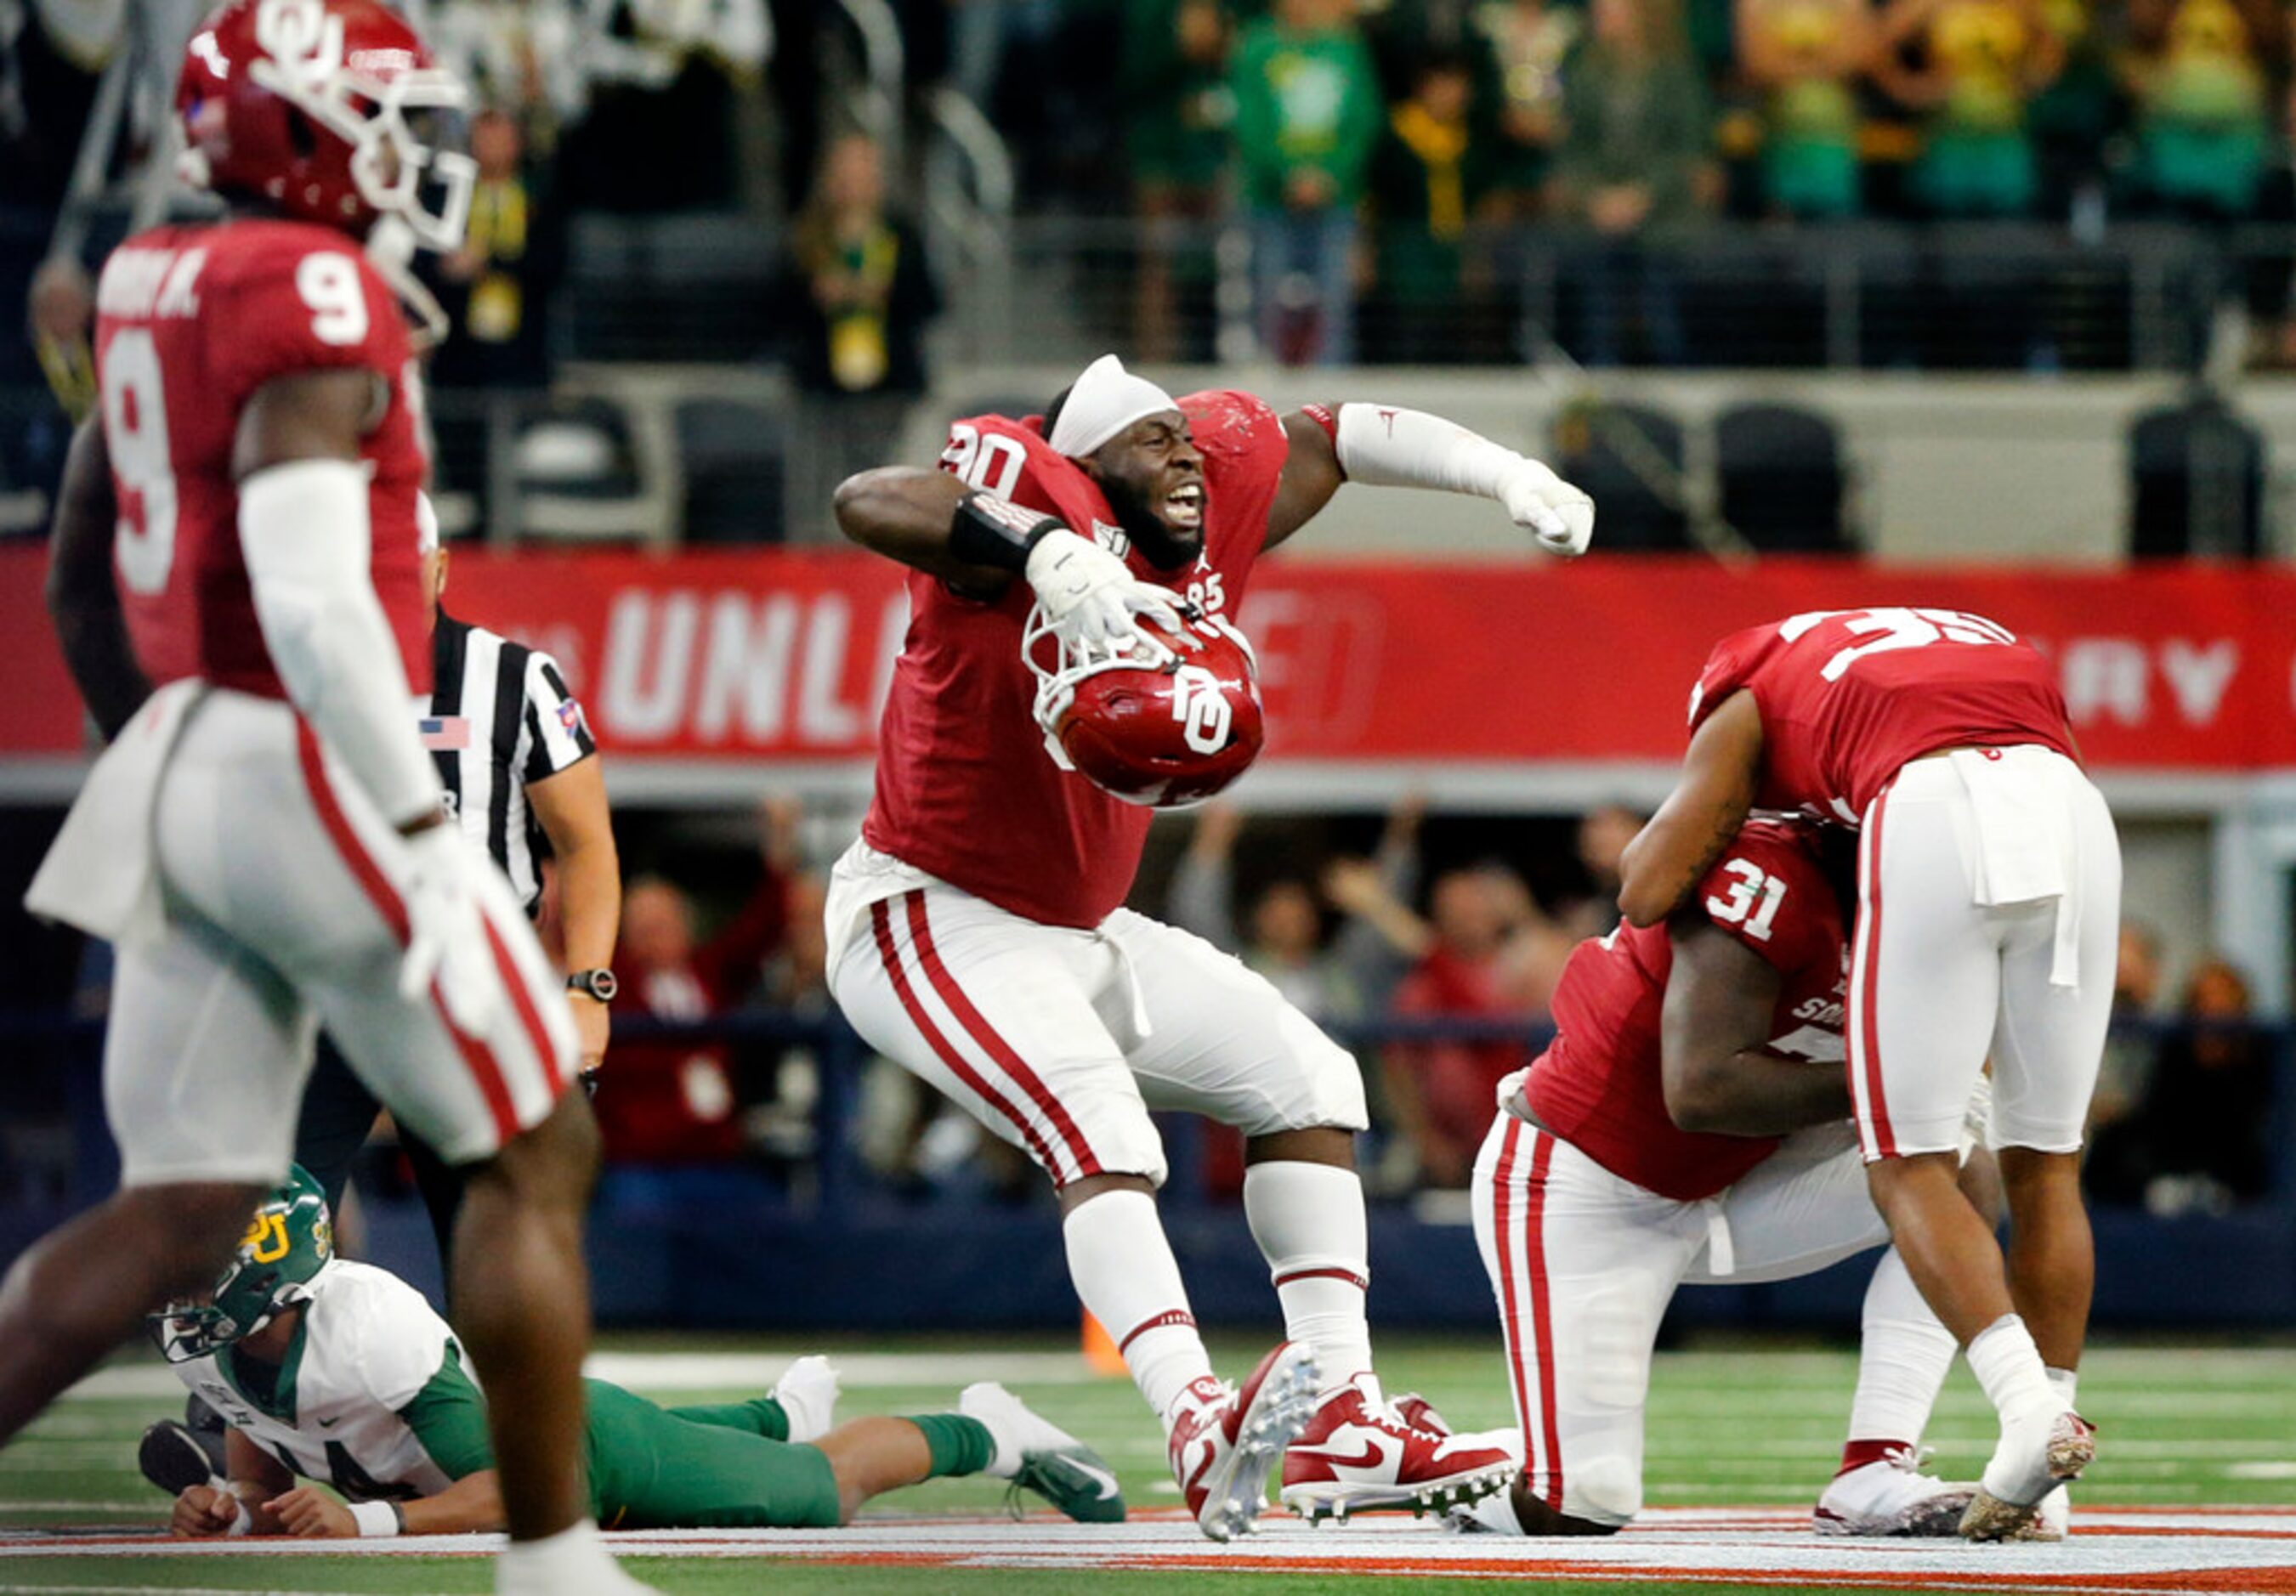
<point x="1102" y="403"/>
<point x="426" y="524"/>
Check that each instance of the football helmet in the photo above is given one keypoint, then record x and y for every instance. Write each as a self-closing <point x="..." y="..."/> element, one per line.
<point x="307" y="105"/>
<point x="1169" y="721"/>
<point x="289" y="1241"/>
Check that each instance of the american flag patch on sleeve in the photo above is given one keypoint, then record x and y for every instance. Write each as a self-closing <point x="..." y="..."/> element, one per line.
<point x="447" y="733"/>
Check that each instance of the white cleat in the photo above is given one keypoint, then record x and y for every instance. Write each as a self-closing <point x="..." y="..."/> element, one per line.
<point x="1891" y="1496"/>
<point x="2033" y="1457"/>
<point x="1038" y="1455"/>
<point x="1224" y="1442"/>
<point x="808" y="1391"/>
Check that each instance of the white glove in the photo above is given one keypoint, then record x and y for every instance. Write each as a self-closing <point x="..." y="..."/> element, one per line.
<point x="1562" y="517"/>
<point x="446" y="934"/>
<point x="1093" y="599"/>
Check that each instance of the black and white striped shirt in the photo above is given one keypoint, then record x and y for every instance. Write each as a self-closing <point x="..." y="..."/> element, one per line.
<point x="500" y="716"/>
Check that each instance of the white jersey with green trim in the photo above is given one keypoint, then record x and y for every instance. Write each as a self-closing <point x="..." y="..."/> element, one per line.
<point x="373" y="1397"/>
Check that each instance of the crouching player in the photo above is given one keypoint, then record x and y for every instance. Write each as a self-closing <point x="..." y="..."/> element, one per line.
<point x="332" y="1371"/>
<point x="1690" y="1122"/>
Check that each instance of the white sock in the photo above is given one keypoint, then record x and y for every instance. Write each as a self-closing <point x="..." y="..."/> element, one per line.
<point x="1308" y="1219"/>
<point x="1903" y="1358"/>
<point x="2066" y="1384"/>
<point x="572" y="1560"/>
<point x="2009" y="1366"/>
<point x="1125" y="1273"/>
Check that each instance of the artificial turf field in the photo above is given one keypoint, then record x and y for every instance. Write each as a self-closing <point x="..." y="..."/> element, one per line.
<point x="2195" y="1490"/>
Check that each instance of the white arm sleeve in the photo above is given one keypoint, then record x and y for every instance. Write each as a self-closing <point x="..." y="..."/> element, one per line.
<point x="1382" y="447"/>
<point x="303" y="528"/>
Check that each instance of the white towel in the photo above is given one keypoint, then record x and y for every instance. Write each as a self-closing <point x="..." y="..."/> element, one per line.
<point x="102" y="873"/>
<point x="2022" y="800"/>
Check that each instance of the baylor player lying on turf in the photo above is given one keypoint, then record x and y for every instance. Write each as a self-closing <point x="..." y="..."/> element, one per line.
<point x="332" y="1371"/>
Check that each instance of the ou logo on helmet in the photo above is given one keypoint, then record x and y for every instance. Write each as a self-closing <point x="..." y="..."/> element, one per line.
<point x="1206" y="717"/>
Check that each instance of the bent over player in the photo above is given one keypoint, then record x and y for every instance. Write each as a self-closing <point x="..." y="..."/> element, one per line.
<point x="976" y="932"/>
<point x="264" y="841"/>
<point x="1989" y="904"/>
<point x="330" y="1371"/>
<point x="1690" y="1122"/>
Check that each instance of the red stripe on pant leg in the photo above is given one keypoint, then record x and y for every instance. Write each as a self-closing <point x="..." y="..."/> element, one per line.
<point x="995" y="1045"/>
<point x="1510" y="1313"/>
<point x="338" y="826"/>
<point x="1167" y="1318"/>
<point x="530" y="1018"/>
<point x="881" y="922"/>
<point x="1534" y="1254"/>
<point x="1869" y="990"/>
<point x="1361" y="1282"/>
<point x="476" y="1058"/>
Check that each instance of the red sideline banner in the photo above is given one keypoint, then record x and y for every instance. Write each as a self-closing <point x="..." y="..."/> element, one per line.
<point x="779" y="656"/>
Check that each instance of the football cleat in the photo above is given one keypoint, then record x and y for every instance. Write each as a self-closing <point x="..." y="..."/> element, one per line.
<point x="807" y="1392"/>
<point x="1224" y="1441"/>
<point x="1357" y="1454"/>
<point x="1419" y="1413"/>
<point x="1890" y="1496"/>
<point x="1050" y="1462"/>
<point x="2067" y="1445"/>
<point x="175" y="1457"/>
<point x="2053" y="1518"/>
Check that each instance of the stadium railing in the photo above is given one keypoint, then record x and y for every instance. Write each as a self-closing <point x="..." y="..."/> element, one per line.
<point x="722" y="1251"/>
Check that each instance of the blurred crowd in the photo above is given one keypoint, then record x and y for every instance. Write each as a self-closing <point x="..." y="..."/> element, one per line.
<point x="1431" y="947"/>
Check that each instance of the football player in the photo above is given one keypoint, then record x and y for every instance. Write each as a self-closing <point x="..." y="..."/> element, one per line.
<point x="264" y="841"/>
<point x="335" y="1371"/>
<point x="1690" y="1122"/>
<point x="977" y="933"/>
<point x="1989" y="881"/>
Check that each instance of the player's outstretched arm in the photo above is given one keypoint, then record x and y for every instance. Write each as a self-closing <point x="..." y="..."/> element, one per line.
<point x="304" y="531"/>
<point x="471" y="1505"/>
<point x="977" y="543"/>
<point x="1700" y="818"/>
<point x="1386" y="446"/>
<point x="1714" y="1031"/>
<point x="204" y="1512"/>
<point x="910" y="515"/>
<point x="83" y="599"/>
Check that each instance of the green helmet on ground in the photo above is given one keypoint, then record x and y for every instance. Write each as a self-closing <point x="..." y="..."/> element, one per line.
<point x="290" y="1238"/>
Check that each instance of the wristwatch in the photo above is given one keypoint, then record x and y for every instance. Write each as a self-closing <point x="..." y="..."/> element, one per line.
<point x="599" y="984"/>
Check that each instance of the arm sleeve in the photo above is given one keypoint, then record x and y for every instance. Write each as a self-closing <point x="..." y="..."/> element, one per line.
<point x="555" y="734"/>
<point x="450" y="1418"/>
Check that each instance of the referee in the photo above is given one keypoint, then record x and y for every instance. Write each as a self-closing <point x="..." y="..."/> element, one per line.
<point x="521" y="776"/>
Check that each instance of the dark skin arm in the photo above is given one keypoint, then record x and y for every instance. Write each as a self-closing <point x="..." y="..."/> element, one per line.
<point x="1700" y="818"/>
<point x="1311" y="476"/>
<point x="83" y="602"/>
<point x="905" y="513"/>
<point x="1715" y="1063"/>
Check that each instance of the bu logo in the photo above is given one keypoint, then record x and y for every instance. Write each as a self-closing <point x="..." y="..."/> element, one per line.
<point x="1202" y="710"/>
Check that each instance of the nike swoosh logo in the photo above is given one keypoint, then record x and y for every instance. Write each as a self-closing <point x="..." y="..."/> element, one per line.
<point x="329" y="1423"/>
<point x="1370" y="1458"/>
<point x="1100" y="1477"/>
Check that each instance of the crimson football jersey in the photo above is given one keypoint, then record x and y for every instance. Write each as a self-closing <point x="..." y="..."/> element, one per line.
<point x="1598" y="1085"/>
<point x="1849" y="696"/>
<point x="965" y="790"/>
<point x="191" y="321"/>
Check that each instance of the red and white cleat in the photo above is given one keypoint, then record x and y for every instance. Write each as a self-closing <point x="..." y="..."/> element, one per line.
<point x="1359" y="1454"/>
<point x="1891" y="1496"/>
<point x="1224" y="1441"/>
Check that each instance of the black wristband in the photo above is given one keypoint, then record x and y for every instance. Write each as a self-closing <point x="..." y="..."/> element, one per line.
<point x="988" y="530"/>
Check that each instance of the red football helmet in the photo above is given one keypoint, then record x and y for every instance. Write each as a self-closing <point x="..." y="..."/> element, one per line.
<point x="1163" y="725"/>
<point x="304" y="103"/>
